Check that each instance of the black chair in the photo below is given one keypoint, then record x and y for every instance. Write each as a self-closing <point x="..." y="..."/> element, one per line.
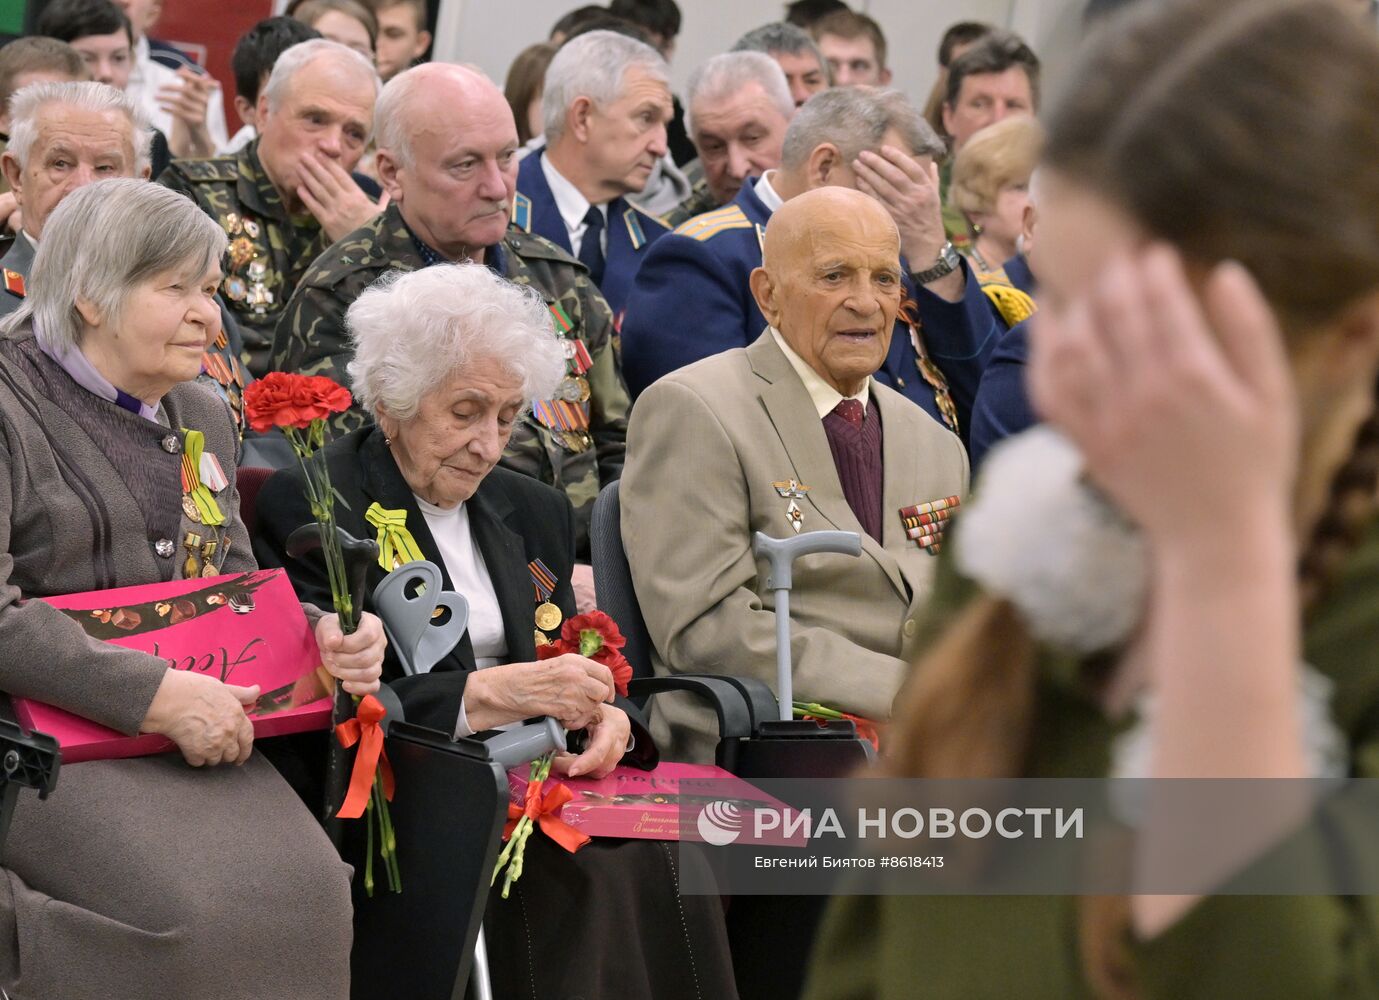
<point x="770" y="937"/>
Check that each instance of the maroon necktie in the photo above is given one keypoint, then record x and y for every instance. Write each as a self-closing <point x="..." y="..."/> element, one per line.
<point x="852" y="411"/>
<point x="856" y="446"/>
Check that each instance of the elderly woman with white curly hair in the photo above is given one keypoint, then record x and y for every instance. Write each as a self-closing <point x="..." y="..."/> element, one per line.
<point x="144" y="877"/>
<point x="445" y="360"/>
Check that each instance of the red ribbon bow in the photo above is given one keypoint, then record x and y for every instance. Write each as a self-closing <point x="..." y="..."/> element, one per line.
<point x="364" y="729"/>
<point x="541" y="810"/>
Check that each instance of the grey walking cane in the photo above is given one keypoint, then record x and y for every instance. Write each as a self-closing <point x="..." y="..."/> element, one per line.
<point x="407" y="600"/>
<point x="780" y="554"/>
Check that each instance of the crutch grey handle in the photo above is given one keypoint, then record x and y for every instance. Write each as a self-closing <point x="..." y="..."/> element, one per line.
<point x="780" y="554"/>
<point x="407" y="600"/>
<point x="526" y="743"/>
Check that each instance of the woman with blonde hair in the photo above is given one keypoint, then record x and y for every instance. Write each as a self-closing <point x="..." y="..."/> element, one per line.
<point x="1205" y="604"/>
<point x="991" y="187"/>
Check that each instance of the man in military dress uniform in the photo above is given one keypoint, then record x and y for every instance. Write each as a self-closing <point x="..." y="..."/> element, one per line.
<point x="288" y="195"/>
<point x="573" y="192"/>
<point x="691" y="298"/>
<point x="451" y="186"/>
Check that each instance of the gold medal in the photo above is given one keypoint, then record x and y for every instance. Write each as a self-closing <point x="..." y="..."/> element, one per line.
<point x="242" y="251"/>
<point x="542" y="639"/>
<point x="209" y="570"/>
<point x="548" y="616"/>
<point x="189" y="509"/>
<point x="583" y="384"/>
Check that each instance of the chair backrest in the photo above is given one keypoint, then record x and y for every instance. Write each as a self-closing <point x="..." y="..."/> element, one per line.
<point x="249" y="479"/>
<point x="613" y="580"/>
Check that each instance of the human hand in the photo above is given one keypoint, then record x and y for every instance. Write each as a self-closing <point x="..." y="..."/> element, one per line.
<point x="204" y="717"/>
<point x="607" y="742"/>
<point x="331" y="195"/>
<point x="910" y="193"/>
<point x="10" y="213"/>
<point x="1184" y="410"/>
<point x="570" y="688"/>
<point x="187" y="102"/>
<point x="355" y="659"/>
<point x="582" y="582"/>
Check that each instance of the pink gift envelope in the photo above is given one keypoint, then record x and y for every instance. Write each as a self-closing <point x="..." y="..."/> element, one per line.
<point x="661" y="804"/>
<point x="245" y="628"/>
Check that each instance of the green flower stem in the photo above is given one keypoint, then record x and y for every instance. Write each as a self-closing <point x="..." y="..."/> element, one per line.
<point x="515" y="850"/>
<point x="368" y="851"/>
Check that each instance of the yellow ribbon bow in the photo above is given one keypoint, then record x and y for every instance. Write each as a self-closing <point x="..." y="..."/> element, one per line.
<point x="395" y="543"/>
<point x="193" y="444"/>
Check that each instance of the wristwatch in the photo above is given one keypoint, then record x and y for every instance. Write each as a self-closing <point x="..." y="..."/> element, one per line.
<point x="946" y="264"/>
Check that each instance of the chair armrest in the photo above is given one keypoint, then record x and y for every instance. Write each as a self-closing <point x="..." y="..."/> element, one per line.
<point x="731" y="706"/>
<point x="27" y="760"/>
<point x="761" y="700"/>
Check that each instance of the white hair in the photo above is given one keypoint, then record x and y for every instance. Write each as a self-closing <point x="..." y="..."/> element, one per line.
<point x="303" y="54"/>
<point x="104" y="239"/>
<point x="594" y="65"/>
<point x="854" y="119"/>
<point x="28" y="104"/>
<point x="727" y="74"/>
<point x="413" y="331"/>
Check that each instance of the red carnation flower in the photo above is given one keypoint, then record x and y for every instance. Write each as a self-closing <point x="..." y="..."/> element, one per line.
<point x="283" y="400"/>
<point x="595" y="636"/>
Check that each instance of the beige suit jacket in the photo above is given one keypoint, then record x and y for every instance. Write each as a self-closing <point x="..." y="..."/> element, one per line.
<point x="704" y="446"/>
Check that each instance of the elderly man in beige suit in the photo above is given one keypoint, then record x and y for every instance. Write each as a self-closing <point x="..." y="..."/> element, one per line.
<point x="791" y="434"/>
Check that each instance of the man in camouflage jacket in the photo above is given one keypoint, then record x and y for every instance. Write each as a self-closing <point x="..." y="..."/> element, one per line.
<point x="313" y="128"/>
<point x="575" y="444"/>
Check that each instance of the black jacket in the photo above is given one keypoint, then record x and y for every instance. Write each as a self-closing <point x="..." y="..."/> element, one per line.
<point x="514" y="518"/>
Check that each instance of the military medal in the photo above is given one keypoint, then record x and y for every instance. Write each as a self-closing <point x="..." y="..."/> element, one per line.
<point x="234" y="287"/>
<point x="789" y="489"/>
<point x="192" y="543"/>
<point x="252" y="228"/>
<point x="202" y="478"/>
<point x="568" y="390"/>
<point x="242" y="251"/>
<point x="208" y="567"/>
<point x="925" y="523"/>
<point x="230" y="223"/>
<point x="260" y="297"/>
<point x="189" y="509"/>
<point x="548" y="616"/>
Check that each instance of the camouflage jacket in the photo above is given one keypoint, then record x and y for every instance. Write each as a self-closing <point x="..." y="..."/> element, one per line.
<point x="311" y="339"/>
<point x="269" y="251"/>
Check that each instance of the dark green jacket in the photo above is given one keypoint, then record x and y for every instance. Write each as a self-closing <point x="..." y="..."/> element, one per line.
<point x="1227" y="947"/>
<point x="311" y="339"/>
<point x="269" y="251"/>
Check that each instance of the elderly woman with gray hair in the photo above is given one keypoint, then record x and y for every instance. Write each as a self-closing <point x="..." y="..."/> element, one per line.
<point x="445" y="360"/>
<point x="143" y="877"/>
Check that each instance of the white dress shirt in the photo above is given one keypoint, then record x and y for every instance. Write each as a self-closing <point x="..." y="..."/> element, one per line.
<point x="767" y="193"/>
<point x="573" y="207"/>
<point x="824" y="396"/>
<point x="145" y="80"/>
<point x="464" y="564"/>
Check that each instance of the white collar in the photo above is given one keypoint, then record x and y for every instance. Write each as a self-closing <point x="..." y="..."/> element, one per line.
<point x="767" y="193"/>
<point x="825" y="397"/>
<point x="571" y="205"/>
<point x="33" y="243"/>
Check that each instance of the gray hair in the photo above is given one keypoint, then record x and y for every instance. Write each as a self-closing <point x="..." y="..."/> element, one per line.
<point x="726" y="74"/>
<point x="303" y="54"/>
<point x="27" y="106"/>
<point x="593" y="65"/>
<point x="854" y="119"/>
<point x="785" y="38"/>
<point x="102" y="241"/>
<point x="412" y="331"/>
